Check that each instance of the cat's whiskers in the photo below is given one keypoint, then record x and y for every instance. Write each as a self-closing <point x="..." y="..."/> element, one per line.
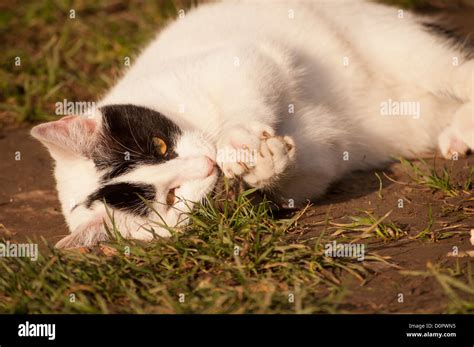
<point x="125" y="147"/>
<point x="119" y="143"/>
<point x="133" y="136"/>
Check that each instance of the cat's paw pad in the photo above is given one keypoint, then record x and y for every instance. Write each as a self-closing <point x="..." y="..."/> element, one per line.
<point x="275" y="154"/>
<point x="256" y="155"/>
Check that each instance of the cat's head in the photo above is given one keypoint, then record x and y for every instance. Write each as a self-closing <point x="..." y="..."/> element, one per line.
<point x="147" y="170"/>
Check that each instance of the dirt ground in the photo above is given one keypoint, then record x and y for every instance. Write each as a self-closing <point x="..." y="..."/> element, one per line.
<point x="29" y="208"/>
<point x="361" y="192"/>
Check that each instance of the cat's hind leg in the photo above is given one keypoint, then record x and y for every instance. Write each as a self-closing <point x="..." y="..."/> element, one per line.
<point x="458" y="137"/>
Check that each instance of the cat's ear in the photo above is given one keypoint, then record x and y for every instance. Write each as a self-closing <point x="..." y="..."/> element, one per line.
<point x="85" y="235"/>
<point x="70" y="136"/>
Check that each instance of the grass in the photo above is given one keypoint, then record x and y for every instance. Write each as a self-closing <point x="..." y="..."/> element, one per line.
<point x="368" y="225"/>
<point x="70" y="58"/>
<point x="457" y="284"/>
<point x="426" y="175"/>
<point x="427" y="232"/>
<point x="233" y="259"/>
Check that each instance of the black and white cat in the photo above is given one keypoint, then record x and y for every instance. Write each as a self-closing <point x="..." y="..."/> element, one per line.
<point x="289" y="95"/>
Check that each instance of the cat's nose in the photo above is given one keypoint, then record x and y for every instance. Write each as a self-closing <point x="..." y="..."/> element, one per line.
<point x="211" y="166"/>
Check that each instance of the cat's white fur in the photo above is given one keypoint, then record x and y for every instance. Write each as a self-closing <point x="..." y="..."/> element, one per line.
<point x="300" y="83"/>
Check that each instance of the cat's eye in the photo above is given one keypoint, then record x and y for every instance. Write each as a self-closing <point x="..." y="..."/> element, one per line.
<point x="160" y="145"/>
<point x="170" y="197"/>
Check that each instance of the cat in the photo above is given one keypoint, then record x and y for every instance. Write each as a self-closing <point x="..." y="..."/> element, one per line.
<point x="288" y="96"/>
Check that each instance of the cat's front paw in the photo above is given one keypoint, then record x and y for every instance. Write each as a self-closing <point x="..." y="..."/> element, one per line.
<point x="255" y="153"/>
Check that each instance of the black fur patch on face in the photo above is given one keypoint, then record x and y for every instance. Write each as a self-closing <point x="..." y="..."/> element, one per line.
<point x="127" y="139"/>
<point x="125" y="196"/>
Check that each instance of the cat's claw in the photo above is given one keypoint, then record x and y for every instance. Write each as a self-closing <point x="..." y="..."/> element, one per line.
<point x="257" y="155"/>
